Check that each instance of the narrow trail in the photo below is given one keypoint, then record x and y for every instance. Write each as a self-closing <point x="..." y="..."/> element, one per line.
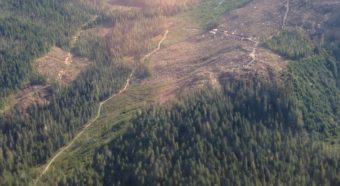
<point x="238" y="37"/>
<point x="221" y="2"/>
<point x="252" y="55"/>
<point x="286" y="14"/>
<point x="68" y="59"/>
<point x="63" y="149"/>
<point x="101" y="104"/>
<point x="61" y="74"/>
<point x="158" y="47"/>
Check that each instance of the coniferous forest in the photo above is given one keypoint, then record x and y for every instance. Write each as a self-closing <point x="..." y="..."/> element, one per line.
<point x="29" y="139"/>
<point x="249" y="131"/>
<point x="217" y="138"/>
<point x="214" y="139"/>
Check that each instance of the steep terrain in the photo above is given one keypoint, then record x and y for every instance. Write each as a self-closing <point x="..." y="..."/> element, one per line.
<point x="231" y="49"/>
<point x="225" y="54"/>
<point x="40" y="116"/>
<point x="231" y="92"/>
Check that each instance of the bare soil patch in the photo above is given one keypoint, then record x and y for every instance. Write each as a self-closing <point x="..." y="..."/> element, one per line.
<point x="232" y="50"/>
<point x="38" y="94"/>
<point x="60" y="66"/>
<point x="193" y="63"/>
<point x="260" y="18"/>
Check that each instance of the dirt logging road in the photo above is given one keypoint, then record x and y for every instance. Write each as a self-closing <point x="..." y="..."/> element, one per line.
<point x="101" y="104"/>
<point x="63" y="149"/>
<point x="252" y="56"/>
<point x="158" y="47"/>
<point x="286" y="14"/>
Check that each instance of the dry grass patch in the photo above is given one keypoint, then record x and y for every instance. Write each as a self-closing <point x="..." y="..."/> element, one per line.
<point x="60" y="66"/>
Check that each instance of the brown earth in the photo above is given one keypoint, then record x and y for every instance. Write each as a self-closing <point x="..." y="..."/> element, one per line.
<point x="231" y="50"/>
<point x="60" y="66"/>
<point x="259" y="18"/>
<point x="37" y="94"/>
<point x="56" y="66"/>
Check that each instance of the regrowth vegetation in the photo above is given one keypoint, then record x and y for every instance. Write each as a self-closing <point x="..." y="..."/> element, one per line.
<point x="291" y="43"/>
<point x="209" y="13"/>
<point x="313" y="78"/>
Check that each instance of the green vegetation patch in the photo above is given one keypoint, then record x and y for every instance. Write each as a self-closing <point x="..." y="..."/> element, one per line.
<point x="20" y="43"/>
<point x="214" y="138"/>
<point x="313" y="80"/>
<point x="291" y="43"/>
<point x="91" y="46"/>
<point x="314" y="85"/>
<point x="208" y="13"/>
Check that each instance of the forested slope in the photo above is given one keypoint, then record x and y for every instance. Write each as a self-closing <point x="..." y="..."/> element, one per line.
<point x="247" y="135"/>
<point x="313" y="77"/>
<point x="28" y="29"/>
<point x="250" y="132"/>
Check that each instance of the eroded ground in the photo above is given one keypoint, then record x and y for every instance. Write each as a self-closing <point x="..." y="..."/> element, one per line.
<point x="233" y="49"/>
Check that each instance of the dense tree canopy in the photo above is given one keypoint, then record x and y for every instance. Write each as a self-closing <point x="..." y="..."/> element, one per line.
<point x="247" y="135"/>
<point x="28" y="29"/>
<point x="29" y="139"/>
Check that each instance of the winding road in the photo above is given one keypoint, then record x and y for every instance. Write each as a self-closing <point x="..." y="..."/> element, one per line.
<point x="158" y="47"/>
<point x="286" y="14"/>
<point x="252" y="55"/>
<point x="63" y="149"/>
<point x="68" y="58"/>
<point x="101" y="104"/>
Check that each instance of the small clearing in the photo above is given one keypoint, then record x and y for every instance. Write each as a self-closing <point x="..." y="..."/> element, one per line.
<point x="61" y="66"/>
<point x="24" y="98"/>
<point x="61" y="151"/>
<point x="260" y="18"/>
<point x="38" y="94"/>
<point x="101" y="104"/>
